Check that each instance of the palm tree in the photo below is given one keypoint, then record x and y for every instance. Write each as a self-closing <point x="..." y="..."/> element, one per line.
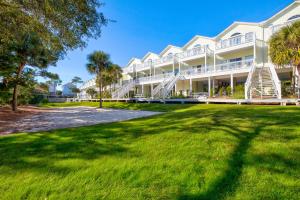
<point x="98" y="63"/>
<point x="116" y="74"/>
<point x="285" y="48"/>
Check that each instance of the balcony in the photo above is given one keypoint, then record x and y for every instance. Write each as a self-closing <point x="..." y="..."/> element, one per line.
<point x="221" y="68"/>
<point x="235" y="41"/>
<point x="154" y="79"/>
<point x="192" y="52"/>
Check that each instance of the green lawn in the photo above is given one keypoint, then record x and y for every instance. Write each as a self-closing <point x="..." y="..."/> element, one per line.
<point x="190" y="152"/>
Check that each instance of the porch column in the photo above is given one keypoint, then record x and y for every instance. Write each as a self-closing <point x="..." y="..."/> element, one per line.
<point x="143" y="89"/>
<point x="191" y="86"/>
<point x="231" y="83"/>
<point x="152" y="90"/>
<point x="209" y="89"/>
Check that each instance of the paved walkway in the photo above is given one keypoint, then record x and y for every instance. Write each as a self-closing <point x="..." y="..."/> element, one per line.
<point x="74" y="117"/>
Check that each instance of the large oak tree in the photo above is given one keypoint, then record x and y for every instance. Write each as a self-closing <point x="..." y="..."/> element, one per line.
<point x="54" y="26"/>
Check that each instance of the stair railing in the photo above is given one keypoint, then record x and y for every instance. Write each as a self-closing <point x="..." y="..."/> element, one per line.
<point x="249" y="82"/>
<point x="275" y="80"/>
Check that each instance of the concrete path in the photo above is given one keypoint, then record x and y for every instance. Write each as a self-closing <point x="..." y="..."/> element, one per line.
<point x="74" y="117"/>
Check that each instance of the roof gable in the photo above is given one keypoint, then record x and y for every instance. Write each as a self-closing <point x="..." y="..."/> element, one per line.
<point x="168" y="48"/>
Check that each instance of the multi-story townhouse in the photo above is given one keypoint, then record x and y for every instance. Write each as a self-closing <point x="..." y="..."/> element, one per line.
<point x="237" y="56"/>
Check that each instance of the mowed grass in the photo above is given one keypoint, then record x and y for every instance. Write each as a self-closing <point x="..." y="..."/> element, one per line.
<point x="189" y="152"/>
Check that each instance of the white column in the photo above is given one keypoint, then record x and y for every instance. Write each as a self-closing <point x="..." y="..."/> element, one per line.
<point x="214" y="61"/>
<point x="254" y="50"/>
<point x="231" y="83"/>
<point x="152" y="90"/>
<point x="143" y="89"/>
<point x="209" y="87"/>
<point x="205" y="62"/>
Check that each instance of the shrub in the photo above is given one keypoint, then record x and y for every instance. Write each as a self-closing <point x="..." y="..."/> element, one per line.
<point x="239" y="92"/>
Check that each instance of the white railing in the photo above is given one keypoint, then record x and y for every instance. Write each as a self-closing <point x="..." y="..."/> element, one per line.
<point x="275" y="80"/>
<point x="156" y="78"/>
<point x="192" y="52"/>
<point x="234" y="65"/>
<point x="276" y="28"/>
<point x="236" y="41"/>
<point x="243" y="64"/>
<point x="249" y="83"/>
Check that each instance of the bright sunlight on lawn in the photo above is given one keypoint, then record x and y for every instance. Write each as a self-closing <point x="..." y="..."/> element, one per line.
<point x="189" y="152"/>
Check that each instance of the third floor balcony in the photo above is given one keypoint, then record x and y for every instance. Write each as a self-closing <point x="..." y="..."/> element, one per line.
<point x="235" y="41"/>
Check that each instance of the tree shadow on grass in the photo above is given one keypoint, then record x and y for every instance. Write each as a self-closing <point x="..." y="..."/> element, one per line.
<point x="226" y="185"/>
<point x="88" y="143"/>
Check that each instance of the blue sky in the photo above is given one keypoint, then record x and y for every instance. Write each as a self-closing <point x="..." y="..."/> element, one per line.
<point x="150" y="25"/>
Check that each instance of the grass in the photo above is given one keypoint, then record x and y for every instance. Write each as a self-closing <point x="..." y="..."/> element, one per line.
<point x="120" y="105"/>
<point x="190" y="152"/>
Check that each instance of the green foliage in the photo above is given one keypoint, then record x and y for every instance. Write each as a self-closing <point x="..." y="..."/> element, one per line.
<point x="92" y="92"/>
<point x="64" y="25"/>
<point x="228" y="91"/>
<point x="224" y="152"/>
<point x="284" y="48"/>
<point x="239" y="92"/>
<point x="221" y="91"/>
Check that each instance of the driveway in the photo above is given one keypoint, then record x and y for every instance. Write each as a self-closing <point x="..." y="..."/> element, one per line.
<point x="50" y="119"/>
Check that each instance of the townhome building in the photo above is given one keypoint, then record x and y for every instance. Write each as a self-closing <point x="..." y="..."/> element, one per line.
<point x="236" y="57"/>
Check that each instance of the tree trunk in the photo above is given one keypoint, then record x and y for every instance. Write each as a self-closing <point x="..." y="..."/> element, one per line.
<point x="16" y="87"/>
<point x="100" y="91"/>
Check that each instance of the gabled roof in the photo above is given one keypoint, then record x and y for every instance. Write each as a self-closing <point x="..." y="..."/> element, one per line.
<point x="132" y="60"/>
<point x="194" y="39"/>
<point x="233" y="25"/>
<point x="167" y="48"/>
<point x="147" y="55"/>
<point x="282" y="11"/>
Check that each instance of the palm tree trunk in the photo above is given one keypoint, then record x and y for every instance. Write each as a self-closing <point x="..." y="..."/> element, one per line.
<point x="100" y="92"/>
<point x="16" y="87"/>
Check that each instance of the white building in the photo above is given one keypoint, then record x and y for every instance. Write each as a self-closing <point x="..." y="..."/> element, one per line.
<point x="67" y="90"/>
<point x="236" y="56"/>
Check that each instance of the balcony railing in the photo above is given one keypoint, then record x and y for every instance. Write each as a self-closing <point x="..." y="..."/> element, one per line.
<point x="234" y="65"/>
<point x="156" y="78"/>
<point x="276" y="28"/>
<point x="192" y="52"/>
<point x="244" y="64"/>
<point x="235" y="41"/>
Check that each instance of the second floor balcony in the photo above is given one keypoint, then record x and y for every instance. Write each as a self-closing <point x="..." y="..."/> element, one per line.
<point x="210" y="70"/>
<point x="235" y="41"/>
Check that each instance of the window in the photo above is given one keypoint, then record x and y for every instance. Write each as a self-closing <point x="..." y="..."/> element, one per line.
<point x="249" y="57"/>
<point x="294" y="17"/>
<point x="197" y="46"/>
<point x="249" y="37"/>
<point x="235" y="60"/>
<point x="235" y="34"/>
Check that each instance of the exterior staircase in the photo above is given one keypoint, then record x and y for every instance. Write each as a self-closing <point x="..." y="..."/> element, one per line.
<point x="121" y="92"/>
<point x="156" y="91"/>
<point x="263" y="83"/>
<point x="165" y="89"/>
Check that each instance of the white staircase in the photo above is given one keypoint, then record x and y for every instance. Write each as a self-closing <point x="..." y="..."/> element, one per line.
<point x="263" y="83"/>
<point x="156" y="91"/>
<point x="164" y="90"/>
<point x="121" y="92"/>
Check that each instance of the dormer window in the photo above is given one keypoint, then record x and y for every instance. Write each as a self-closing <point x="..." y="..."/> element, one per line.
<point x="197" y="46"/>
<point x="294" y="17"/>
<point x="235" y="34"/>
